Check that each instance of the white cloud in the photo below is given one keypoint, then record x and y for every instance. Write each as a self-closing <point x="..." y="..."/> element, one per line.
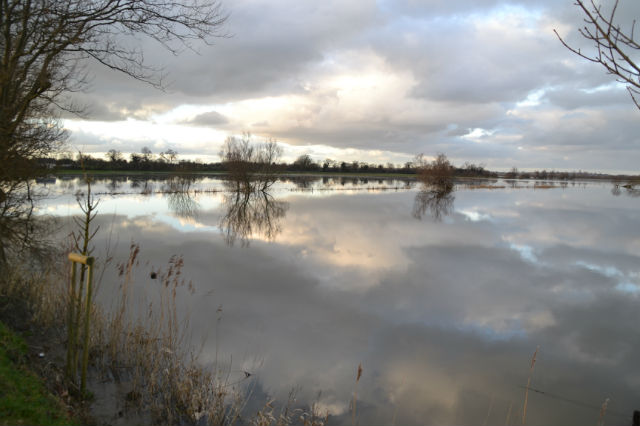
<point x="398" y="77"/>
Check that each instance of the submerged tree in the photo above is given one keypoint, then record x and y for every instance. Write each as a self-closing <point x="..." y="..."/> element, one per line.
<point x="616" y="49"/>
<point x="251" y="166"/>
<point x="436" y="194"/>
<point x="439" y="172"/>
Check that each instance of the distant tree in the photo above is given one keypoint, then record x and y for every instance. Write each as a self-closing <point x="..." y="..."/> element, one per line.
<point x="171" y="156"/>
<point x="147" y="155"/>
<point x="136" y="159"/>
<point x="512" y="174"/>
<point x="616" y="49"/>
<point x="114" y="155"/>
<point x="471" y="169"/>
<point x="419" y="161"/>
<point x="304" y="162"/>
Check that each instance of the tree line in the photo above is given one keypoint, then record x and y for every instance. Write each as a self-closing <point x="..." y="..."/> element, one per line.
<point x="242" y="157"/>
<point x="170" y="161"/>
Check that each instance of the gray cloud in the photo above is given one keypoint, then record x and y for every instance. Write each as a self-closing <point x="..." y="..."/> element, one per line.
<point x="211" y="118"/>
<point x="430" y="72"/>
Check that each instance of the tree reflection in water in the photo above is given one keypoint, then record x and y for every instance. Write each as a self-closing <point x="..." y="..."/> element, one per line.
<point x="435" y="199"/>
<point x="21" y="231"/>
<point x="179" y="197"/>
<point x="251" y="211"/>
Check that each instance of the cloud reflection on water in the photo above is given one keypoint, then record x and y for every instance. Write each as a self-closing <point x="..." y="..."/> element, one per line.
<point x="444" y="316"/>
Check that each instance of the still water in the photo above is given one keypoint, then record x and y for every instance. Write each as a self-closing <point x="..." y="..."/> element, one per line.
<point x="442" y="300"/>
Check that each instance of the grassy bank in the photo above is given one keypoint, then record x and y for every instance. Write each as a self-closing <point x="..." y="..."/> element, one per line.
<point x="24" y="398"/>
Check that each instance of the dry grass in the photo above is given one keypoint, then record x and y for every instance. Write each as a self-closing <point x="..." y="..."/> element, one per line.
<point x="155" y="356"/>
<point x="269" y="415"/>
<point x="355" y="396"/>
<point x="151" y="353"/>
<point x="33" y="293"/>
<point x="147" y="348"/>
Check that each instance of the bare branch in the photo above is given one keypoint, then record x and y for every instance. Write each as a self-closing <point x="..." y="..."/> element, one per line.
<point x="44" y="45"/>
<point x="614" y="48"/>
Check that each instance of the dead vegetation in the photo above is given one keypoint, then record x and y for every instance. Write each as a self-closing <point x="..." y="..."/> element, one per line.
<point x="147" y="348"/>
<point x="149" y="351"/>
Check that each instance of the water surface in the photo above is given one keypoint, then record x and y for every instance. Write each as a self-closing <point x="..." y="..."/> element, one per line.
<point x="443" y="300"/>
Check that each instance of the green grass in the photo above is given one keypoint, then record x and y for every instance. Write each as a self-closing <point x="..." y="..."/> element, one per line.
<point x="24" y="400"/>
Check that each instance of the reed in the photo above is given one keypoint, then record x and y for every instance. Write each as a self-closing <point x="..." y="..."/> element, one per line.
<point x="149" y="349"/>
<point x="355" y="396"/>
<point x="526" y="394"/>
<point x="603" y="411"/>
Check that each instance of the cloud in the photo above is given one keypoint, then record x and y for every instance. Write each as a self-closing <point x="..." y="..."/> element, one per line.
<point x="210" y="118"/>
<point x="402" y="77"/>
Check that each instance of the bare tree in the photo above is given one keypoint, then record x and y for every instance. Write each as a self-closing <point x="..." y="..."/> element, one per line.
<point x="616" y="49"/>
<point x="114" y="155"/>
<point x="512" y="174"/>
<point x="170" y="155"/>
<point x="252" y="166"/>
<point x="305" y="162"/>
<point x="147" y="155"/>
<point x="45" y="44"/>
<point x="439" y="172"/>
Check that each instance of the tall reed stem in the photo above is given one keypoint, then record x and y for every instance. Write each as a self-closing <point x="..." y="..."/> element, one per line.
<point x="526" y="394"/>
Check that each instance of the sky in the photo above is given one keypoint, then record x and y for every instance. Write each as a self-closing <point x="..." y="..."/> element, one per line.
<point x="378" y="81"/>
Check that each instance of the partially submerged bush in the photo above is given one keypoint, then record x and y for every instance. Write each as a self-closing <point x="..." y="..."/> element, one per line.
<point x="438" y="173"/>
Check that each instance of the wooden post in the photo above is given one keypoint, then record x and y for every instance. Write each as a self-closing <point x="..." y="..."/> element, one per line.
<point x="70" y="323"/>
<point x="636" y="418"/>
<point x="75" y="318"/>
<point x="85" y="349"/>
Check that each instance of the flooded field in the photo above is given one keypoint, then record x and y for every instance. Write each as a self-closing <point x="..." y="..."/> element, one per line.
<point x="442" y="298"/>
